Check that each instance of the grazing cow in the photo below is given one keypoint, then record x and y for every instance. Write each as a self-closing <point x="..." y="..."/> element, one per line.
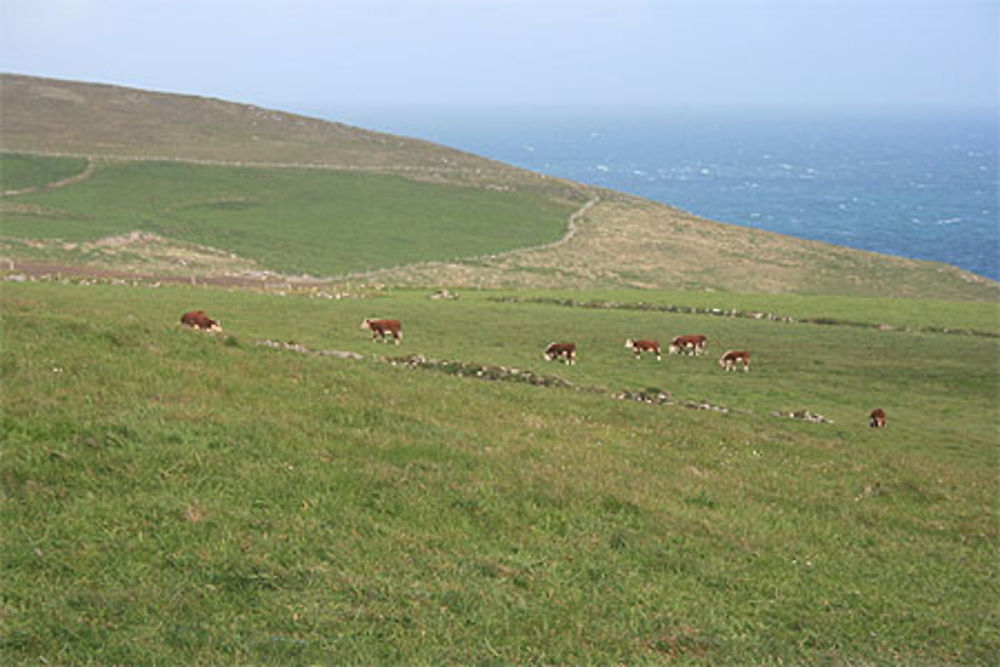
<point x="691" y="343"/>
<point x="565" y="350"/>
<point x="383" y="328"/>
<point x="877" y="418"/>
<point x="729" y="360"/>
<point x="197" y="319"/>
<point x="640" y="346"/>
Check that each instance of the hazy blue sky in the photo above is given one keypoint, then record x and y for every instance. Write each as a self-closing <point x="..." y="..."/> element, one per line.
<point x="295" y="54"/>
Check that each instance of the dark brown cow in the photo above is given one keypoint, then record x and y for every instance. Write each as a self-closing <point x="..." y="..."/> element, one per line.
<point x="729" y="360"/>
<point x="565" y="350"/>
<point x="877" y="418"/>
<point x="691" y="343"/>
<point x="383" y="328"/>
<point x="640" y="346"/>
<point x="197" y="319"/>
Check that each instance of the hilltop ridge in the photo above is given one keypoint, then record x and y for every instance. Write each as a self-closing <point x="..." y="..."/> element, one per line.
<point x="617" y="240"/>
<point x="59" y="116"/>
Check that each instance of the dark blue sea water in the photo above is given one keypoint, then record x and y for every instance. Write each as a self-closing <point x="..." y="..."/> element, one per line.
<point x="919" y="186"/>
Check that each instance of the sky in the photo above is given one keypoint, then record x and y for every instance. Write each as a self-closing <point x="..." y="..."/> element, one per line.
<point x="688" y="54"/>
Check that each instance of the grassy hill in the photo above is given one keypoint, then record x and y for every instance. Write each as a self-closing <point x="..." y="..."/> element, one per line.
<point x="290" y="194"/>
<point x="290" y="492"/>
<point x="49" y="115"/>
<point x="183" y="497"/>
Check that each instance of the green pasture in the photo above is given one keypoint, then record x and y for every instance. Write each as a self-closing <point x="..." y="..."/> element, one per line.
<point x="29" y="171"/>
<point x="970" y="316"/>
<point x="316" y="221"/>
<point x="178" y="497"/>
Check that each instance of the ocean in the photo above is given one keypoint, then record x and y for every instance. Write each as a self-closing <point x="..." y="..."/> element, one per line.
<point x="918" y="186"/>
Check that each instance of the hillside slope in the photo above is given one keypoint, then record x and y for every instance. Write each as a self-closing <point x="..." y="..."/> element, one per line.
<point x="49" y="115"/>
<point x="178" y="497"/>
<point x="613" y="240"/>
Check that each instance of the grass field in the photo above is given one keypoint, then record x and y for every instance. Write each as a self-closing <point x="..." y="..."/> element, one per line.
<point x="29" y="171"/>
<point x="177" y="497"/>
<point x="938" y="314"/>
<point x="316" y="221"/>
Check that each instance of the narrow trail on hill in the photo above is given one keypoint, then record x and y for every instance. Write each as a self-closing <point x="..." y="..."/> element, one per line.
<point x="571" y="230"/>
<point x="262" y="164"/>
<point x="75" y="178"/>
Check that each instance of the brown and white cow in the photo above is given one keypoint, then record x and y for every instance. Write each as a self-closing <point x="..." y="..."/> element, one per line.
<point x="565" y="350"/>
<point x="729" y="360"/>
<point x="877" y="418"/>
<point x="383" y="328"/>
<point x="640" y="346"/>
<point x="691" y="343"/>
<point x="197" y="319"/>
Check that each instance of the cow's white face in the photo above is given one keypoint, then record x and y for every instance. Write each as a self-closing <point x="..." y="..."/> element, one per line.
<point x="628" y="343"/>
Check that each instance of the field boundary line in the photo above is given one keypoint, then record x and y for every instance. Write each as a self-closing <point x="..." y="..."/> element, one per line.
<point x="70" y="180"/>
<point x="736" y="313"/>
<point x="571" y="230"/>
<point x="498" y="373"/>
<point x="331" y="166"/>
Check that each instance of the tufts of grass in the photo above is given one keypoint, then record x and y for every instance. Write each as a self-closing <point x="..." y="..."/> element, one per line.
<point x="170" y="496"/>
